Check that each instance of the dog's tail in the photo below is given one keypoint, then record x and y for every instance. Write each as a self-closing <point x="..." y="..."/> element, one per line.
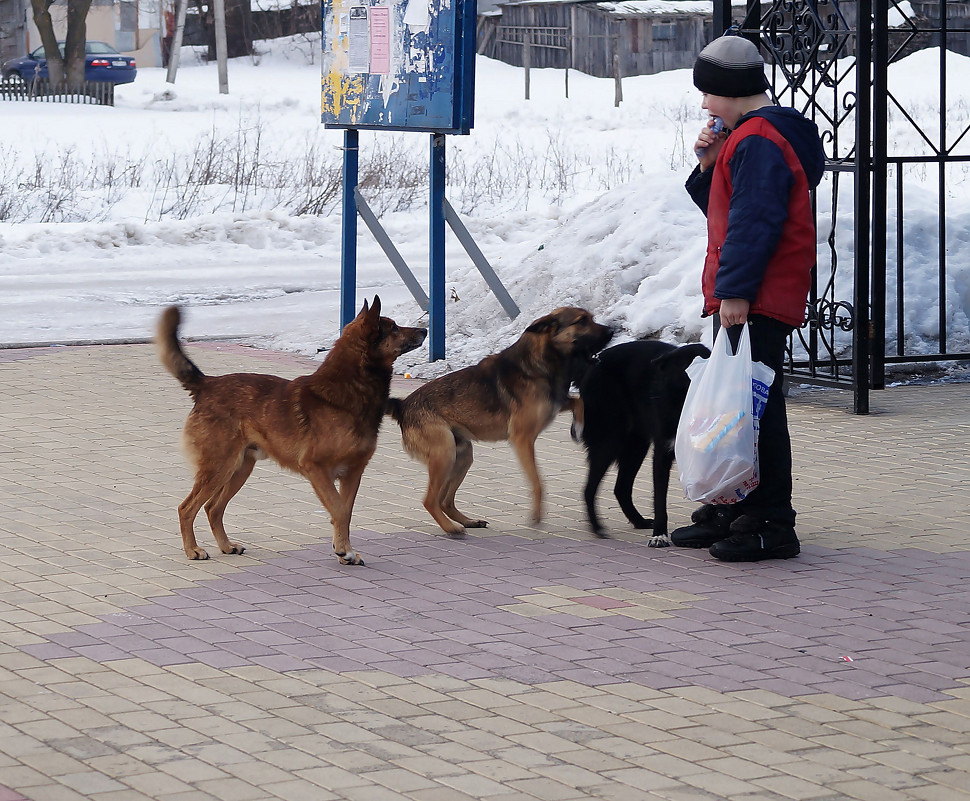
<point x="170" y="351"/>
<point x="394" y="408"/>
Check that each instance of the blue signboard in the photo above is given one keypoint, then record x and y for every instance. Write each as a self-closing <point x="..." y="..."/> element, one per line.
<point x="406" y="65"/>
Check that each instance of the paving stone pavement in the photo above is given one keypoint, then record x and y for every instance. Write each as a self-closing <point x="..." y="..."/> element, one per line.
<point x="520" y="662"/>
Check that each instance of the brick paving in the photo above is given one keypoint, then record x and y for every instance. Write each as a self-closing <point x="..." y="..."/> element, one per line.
<point x="520" y="662"/>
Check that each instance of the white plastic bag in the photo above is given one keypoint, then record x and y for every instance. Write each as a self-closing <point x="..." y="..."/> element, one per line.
<point x="717" y="436"/>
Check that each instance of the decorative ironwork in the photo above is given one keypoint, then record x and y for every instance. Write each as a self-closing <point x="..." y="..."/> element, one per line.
<point x="813" y="48"/>
<point x="829" y="315"/>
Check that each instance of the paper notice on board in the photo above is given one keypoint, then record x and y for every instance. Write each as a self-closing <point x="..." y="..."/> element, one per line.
<point x="380" y="40"/>
<point x="358" y="55"/>
<point x="418" y="14"/>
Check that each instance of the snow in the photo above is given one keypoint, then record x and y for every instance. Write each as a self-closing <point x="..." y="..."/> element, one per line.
<point x="572" y="200"/>
<point x="659" y="7"/>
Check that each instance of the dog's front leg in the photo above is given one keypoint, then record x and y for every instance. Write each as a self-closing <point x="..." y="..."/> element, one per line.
<point x="578" y="408"/>
<point x="524" y="445"/>
<point x="663" y="460"/>
<point x="349" y="485"/>
<point x="334" y="502"/>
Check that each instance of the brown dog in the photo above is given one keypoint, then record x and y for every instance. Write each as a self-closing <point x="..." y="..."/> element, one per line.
<point x="323" y="426"/>
<point x="510" y="395"/>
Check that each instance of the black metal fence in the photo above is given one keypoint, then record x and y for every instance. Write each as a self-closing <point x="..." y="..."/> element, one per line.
<point x="89" y="92"/>
<point x="929" y="156"/>
<point x="838" y="63"/>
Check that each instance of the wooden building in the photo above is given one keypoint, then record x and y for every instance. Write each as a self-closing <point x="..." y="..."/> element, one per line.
<point x="605" y="38"/>
<point x="619" y="38"/>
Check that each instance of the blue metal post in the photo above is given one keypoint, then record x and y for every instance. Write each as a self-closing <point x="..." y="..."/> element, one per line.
<point x="436" y="311"/>
<point x="348" y="241"/>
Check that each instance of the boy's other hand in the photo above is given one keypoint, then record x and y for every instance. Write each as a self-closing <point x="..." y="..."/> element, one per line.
<point x="733" y="311"/>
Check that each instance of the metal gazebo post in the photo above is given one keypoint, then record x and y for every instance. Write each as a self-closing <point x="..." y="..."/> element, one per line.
<point x="436" y="309"/>
<point x="348" y="239"/>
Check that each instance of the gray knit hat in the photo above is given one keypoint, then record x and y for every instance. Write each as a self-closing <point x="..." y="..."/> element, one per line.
<point x="730" y="67"/>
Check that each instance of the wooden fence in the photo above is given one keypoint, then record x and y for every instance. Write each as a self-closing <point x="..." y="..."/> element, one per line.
<point x="88" y="92"/>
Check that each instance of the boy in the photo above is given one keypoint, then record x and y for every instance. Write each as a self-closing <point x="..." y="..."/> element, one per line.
<point x="753" y="183"/>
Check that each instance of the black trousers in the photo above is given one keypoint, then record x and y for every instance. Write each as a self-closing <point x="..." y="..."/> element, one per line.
<point x="772" y="500"/>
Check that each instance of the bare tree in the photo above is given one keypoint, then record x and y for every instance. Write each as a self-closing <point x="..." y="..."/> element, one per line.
<point x="70" y="65"/>
<point x="45" y="27"/>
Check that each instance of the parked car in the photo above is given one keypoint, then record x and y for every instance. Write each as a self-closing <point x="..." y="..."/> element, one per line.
<point x="101" y="63"/>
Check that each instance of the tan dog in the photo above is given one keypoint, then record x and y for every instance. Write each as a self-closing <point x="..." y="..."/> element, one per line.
<point x="511" y="395"/>
<point x="323" y="426"/>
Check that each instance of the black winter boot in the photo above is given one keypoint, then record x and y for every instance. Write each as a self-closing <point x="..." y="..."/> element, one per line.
<point x="753" y="539"/>
<point x="709" y="524"/>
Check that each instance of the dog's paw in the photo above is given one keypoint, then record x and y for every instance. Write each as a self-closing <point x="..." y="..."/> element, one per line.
<point x="476" y="524"/>
<point x="197" y="553"/>
<point x="350" y="558"/>
<point x="233" y="548"/>
<point x="659" y="541"/>
<point x="576" y="432"/>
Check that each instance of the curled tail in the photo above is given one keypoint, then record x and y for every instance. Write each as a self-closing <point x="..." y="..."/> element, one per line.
<point x="395" y="408"/>
<point x="170" y="351"/>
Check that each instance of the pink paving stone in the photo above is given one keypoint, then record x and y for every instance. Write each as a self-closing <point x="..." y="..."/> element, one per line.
<point x="600" y="602"/>
<point x="752" y="627"/>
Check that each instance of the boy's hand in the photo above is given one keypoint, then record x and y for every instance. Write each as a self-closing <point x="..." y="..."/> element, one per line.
<point x="734" y="311"/>
<point x="708" y="145"/>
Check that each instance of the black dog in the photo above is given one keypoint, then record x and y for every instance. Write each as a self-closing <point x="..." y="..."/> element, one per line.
<point x="632" y="399"/>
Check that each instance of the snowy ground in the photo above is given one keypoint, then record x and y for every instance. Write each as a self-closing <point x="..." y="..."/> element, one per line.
<point x="583" y="204"/>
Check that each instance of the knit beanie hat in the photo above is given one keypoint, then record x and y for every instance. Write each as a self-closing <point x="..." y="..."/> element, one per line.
<point x="730" y="66"/>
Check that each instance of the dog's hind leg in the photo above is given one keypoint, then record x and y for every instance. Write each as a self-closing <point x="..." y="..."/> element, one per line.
<point x="215" y="508"/>
<point x="440" y="457"/>
<point x="463" y="463"/>
<point x="628" y="465"/>
<point x="208" y="484"/>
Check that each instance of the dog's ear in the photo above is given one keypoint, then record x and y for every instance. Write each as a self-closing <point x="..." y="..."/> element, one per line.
<point x="369" y="318"/>
<point x="544" y="325"/>
<point x="370" y="310"/>
<point x="680" y="358"/>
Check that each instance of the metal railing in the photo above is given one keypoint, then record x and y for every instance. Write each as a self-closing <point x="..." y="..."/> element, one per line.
<point x="87" y="92"/>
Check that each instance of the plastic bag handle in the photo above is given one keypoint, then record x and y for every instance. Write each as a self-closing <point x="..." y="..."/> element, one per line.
<point x="744" y="343"/>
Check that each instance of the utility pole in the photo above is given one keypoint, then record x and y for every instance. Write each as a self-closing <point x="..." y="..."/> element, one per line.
<point x="219" y="20"/>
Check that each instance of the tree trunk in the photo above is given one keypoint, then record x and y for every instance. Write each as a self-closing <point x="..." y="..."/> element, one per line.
<point x="45" y="26"/>
<point x="74" y="42"/>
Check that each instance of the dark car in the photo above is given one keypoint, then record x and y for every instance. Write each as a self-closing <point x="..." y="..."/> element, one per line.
<point x="101" y="63"/>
